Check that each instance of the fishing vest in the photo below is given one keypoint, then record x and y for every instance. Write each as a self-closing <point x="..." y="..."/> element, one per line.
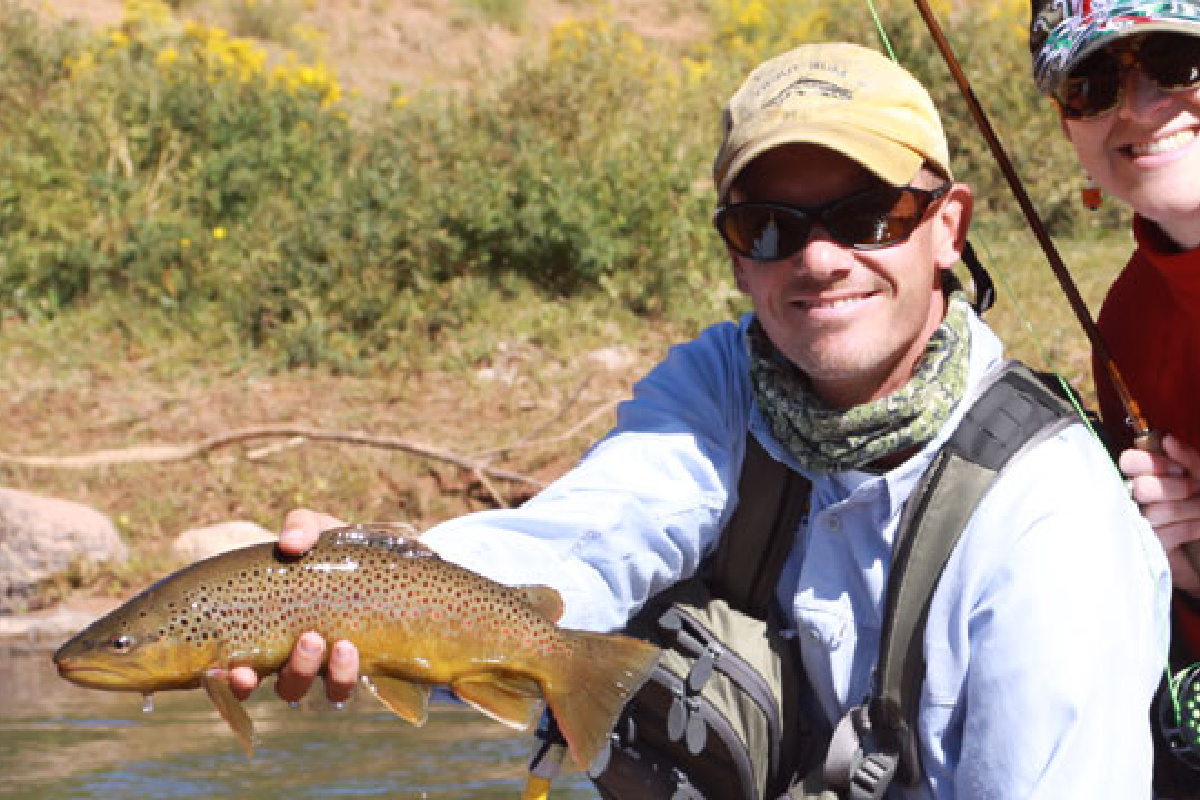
<point x="728" y="713"/>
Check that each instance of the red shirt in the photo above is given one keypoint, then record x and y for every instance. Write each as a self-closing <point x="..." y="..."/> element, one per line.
<point x="1150" y="323"/>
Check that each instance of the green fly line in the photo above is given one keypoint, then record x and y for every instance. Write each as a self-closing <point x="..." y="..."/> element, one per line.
<point x="1172" y="682"/>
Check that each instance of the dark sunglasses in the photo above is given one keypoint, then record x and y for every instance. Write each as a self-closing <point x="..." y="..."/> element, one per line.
<point x="870" y="220"/>
<point x="1094" y="87"/>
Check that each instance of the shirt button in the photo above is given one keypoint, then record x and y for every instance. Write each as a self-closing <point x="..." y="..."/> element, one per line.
<point x="834" y="523"/>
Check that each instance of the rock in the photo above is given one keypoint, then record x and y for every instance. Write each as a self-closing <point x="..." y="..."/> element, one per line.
<point x="612" y="359"/>
<point x="48" y="628"/>
<point x="44" y="536"/>
<point x="199" y="543"/>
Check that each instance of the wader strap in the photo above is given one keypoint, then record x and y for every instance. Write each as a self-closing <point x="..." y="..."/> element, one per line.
<point x="772" y="499"/>
<point x="1014" y="412"/>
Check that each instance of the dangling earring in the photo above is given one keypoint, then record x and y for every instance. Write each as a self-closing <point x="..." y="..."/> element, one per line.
<point x="1090" y="194"/>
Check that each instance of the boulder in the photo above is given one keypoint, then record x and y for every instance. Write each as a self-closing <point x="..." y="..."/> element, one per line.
<point x="199" y="543"/>
<point x="44" y="536"/>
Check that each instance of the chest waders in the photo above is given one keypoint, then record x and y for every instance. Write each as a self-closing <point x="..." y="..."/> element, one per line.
<point x="727" y="713"/>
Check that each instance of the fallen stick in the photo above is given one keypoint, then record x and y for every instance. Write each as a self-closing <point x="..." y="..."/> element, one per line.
<point x="164" y="453"/>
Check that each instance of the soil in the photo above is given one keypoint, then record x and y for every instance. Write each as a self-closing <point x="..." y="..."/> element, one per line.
<point x="375" y="45"/>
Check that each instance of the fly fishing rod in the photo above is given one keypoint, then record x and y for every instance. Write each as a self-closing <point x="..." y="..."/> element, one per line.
<point x="1178" y="709"/>
<point x="1144" y="437"/>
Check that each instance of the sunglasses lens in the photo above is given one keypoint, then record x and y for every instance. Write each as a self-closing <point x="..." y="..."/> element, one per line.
<point x="763" y="232"/>
<point x="878" y="218"/>
<point x="1092" y="88"/>
<point x="1171" y="60"/>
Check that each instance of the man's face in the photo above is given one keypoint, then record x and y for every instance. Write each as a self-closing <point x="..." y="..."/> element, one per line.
<point x="855" y="321"/>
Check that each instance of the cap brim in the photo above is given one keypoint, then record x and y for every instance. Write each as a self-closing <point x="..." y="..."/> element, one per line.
<point x="1101" y="39"/>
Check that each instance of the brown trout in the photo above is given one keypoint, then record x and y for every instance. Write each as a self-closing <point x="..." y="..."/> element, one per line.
<point x="418" y="622"/>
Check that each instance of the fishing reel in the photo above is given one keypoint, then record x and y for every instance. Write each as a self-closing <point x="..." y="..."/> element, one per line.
<point x="1178" y="718"/>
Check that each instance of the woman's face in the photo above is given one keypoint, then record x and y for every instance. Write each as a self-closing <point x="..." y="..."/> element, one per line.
<point x="1146" y="151"/>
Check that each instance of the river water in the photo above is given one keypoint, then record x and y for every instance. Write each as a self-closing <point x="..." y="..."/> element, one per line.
<point x="62" y="742"/>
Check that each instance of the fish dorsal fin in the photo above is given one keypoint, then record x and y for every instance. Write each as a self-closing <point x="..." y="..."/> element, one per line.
<point x="396" y="538"/>
<point x="546" y="601"/>
<point x="216" y="684"/>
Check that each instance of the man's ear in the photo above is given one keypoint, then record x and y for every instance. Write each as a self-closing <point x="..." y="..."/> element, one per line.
<point x="952" y="219"/>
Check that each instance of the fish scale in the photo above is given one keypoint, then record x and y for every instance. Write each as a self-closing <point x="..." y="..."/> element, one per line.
<point x="417" y="621"/>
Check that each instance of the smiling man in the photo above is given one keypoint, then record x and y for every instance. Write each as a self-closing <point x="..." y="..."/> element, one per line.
<point x="1041" y="646"/>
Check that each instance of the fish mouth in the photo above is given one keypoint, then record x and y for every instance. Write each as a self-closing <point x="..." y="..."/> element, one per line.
<point x="95" y="676"/>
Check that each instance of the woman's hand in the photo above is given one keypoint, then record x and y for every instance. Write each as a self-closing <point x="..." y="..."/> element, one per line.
<point x="301" y="527"/>
<point x="1167" y="488"/>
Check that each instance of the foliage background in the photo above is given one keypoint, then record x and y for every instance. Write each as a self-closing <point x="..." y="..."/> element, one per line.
<point x="180" y="174"/>
<point x="204" y="225"/>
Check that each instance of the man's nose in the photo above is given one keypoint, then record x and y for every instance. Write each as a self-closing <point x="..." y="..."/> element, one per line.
<point x="822" y="255"/>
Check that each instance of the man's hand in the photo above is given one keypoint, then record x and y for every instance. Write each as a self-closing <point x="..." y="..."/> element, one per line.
<point x="301" y="527"/>
<point x="1167" y="488"/>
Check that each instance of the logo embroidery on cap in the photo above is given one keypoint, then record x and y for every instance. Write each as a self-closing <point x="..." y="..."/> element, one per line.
<point x="807" y="87"/>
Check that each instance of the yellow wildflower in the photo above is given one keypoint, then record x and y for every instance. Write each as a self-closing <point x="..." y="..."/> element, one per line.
<point x="166" y="57"/>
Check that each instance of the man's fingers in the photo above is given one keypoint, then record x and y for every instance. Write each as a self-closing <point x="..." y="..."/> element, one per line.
<point x="243" y="681"/>
<point x="297" y="675"/>
<point x="342" y="675"/>
<point x="301" y="527"/>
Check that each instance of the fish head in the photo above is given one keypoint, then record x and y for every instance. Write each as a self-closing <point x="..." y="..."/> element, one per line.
<point x="134" y="649"/>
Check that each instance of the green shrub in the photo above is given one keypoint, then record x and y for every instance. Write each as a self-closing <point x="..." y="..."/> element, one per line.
<point x="173" y="167"/>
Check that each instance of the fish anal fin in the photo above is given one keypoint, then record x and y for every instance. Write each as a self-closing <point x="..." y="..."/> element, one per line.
<point x="512" y="700"/>
<point x="216" y="684"/>
<point x="545" y="600"/>
<point x="407" y="700"/>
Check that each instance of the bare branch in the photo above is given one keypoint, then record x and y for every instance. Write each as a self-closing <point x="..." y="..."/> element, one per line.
<point x="169" y="453"/>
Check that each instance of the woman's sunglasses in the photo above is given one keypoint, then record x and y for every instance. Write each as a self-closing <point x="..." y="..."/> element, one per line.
<point x="1170" y="60"/>
<point x="876" y="218"/>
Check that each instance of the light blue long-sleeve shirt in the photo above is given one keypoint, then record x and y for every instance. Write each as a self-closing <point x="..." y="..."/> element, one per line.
<point x="1046" y="635"/>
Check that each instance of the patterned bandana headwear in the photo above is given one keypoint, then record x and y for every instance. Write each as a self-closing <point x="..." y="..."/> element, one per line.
<point x="830" y="440"/>
<point x="1064" y="32"/>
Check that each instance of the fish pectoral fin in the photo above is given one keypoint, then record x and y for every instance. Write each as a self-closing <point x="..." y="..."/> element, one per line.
<point x="407" y="700"/>
<point x="216" y="684"/>
<point x="512" y="700"/>
<point x="545" y="600"/>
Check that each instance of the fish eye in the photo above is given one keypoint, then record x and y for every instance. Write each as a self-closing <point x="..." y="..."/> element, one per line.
<point x="121" y="644"/>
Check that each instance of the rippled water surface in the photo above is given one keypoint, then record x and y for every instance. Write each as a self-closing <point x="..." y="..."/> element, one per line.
<point x="61" y="741"/>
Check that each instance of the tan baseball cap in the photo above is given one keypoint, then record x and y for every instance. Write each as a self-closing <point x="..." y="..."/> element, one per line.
<point x="842" y="96"/>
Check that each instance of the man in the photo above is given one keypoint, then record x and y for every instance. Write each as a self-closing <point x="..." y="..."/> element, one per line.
<point x="1044" y="639"/>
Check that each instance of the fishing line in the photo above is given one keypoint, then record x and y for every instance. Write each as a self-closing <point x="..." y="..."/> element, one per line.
<point x="1184" y="738"/>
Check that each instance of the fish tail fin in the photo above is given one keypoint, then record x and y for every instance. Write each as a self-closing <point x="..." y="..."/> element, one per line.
<point x="593" y="685"/>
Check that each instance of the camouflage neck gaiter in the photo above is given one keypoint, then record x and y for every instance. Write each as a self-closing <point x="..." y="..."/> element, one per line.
<point x="830" y="440"/>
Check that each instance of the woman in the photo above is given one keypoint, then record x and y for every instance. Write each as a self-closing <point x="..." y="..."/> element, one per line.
<point x="1126" y="77"/>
